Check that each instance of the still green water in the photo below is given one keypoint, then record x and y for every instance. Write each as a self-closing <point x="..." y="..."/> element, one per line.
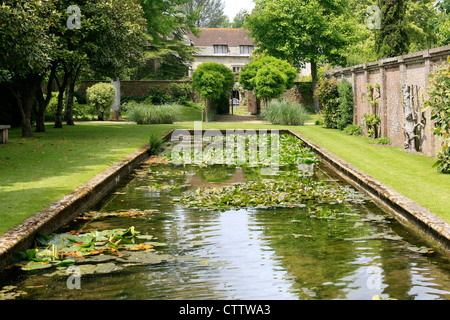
<point x="283" y="253"/>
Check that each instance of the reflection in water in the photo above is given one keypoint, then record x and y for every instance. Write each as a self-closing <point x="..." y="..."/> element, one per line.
<point x="259" y="254"/>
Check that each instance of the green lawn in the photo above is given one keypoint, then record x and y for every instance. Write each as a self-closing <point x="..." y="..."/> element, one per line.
<point x="190" y="114"/>
<point x="39" y="171"/>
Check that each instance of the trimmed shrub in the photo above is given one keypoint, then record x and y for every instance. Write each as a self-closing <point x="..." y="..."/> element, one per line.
<point x="212" y="81"/>
<point x="269" y="83"/>
<point x="144" y="113"/>
<point x="328" y="94"/>
<point x="383" y="140"/>
<point x="345" y="117"/>
<point x="182" y="92"/>
<point x="100" y="98"/>
<point x="285" y="112"/>
<point x="353" y="130"/>
<point x="268" y="76"/>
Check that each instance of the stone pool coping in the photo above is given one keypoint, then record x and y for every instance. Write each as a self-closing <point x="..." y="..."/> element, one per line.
<point x="69" y="207"/>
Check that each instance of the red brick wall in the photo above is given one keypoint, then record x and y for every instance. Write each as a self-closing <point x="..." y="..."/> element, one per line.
<point x="413" y="70"/>
<point x="129" y="88"/>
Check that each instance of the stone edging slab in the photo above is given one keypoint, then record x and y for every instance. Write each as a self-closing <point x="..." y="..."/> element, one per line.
<point x="66" y="209"/>
<point x="403" y="209"/>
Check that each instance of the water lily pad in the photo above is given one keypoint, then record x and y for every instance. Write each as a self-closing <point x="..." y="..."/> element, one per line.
<point x="145" y="257"/>
<point x="10" y="293"/>
<point x="270" y="194"/>
<point x="33" y="265"/>
<point x="100" y="268"/>
<point x="421" y="250"/>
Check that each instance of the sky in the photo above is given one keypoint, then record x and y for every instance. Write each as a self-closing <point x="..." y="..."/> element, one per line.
<point x="232" y="7"/>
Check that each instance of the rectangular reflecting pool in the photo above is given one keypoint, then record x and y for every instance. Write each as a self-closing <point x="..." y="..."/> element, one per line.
<point x="229" y="232"/>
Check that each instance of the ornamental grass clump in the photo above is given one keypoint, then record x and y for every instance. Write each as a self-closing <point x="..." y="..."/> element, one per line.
<point x="283" y="112"/>
<point x="144" y="113"/>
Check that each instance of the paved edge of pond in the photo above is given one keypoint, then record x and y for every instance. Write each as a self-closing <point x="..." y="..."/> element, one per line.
<point x="69" y="207"/>
<point x="404" y="209"/>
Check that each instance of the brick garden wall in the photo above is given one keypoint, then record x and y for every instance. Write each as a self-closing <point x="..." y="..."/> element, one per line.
<point x="132" y="88"/>
<point x="301" y="93"/>
<point x="392" y="74"/>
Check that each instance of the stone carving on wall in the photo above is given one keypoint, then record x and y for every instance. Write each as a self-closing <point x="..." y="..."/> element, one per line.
<point x="415" y="120"/>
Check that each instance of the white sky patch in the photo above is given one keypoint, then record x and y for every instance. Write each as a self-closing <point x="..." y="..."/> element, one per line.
<point x="232" y="7"/>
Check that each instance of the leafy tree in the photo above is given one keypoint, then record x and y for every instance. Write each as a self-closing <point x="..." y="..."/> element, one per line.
<point x="239" y="19"/>
<point x="27" y="47"/>
<point x="392" y="39"/>
<point x="212" y="81"/>
<point x="419" y="18"/>
<point x="207" y="13"/>
<point x="167" y="55"/>
<point x="441" y="24"/>
<point x="110" y="41"/>
<point x="37" y="41"/>
<point x="302" y="31"/>
<point x="268" y="76"/>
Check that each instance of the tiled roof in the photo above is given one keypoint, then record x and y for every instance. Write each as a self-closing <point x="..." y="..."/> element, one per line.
<point x="216" y="36"/>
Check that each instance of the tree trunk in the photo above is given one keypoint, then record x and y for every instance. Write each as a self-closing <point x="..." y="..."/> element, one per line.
<point x="61" y="88"/>
<point x="43" y="102"/>
<point x="40" y="114"/>
<point x="25" y="91"/>
<point x="314" y="85"/>
<point x="72" y="78"/>
<point x="207" y="108"/>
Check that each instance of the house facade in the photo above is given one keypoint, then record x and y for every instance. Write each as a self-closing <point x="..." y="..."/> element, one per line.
<point x="231" y="47"/>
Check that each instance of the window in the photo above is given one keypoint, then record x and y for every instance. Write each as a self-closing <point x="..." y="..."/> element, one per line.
<point x="246" y="49"/>
<point x="237" y="69"/>
<point x="220" y="49"/>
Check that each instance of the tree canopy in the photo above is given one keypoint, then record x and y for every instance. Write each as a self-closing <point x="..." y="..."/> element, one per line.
<point x="35" y="39"/>
<point x="391" y="39"/>
<point x="167" y="25"/>
<point x="206" y="13"/>
<point x="302" y="31"/>
<point x="268" y="76"/>
<point x="212" y="81"/>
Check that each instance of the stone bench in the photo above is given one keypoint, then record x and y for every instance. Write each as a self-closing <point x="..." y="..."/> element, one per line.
<point x="4" y="134"/>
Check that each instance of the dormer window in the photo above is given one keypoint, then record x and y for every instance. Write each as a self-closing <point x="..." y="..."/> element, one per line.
<point x="220" y="49"/>
<point x="246" y="49"/>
